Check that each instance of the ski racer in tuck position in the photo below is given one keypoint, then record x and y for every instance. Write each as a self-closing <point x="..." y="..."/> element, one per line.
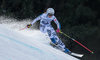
<point x="46" y="27"/>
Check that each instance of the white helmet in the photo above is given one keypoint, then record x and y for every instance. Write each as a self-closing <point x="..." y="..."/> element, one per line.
<point x="50" y="10"/>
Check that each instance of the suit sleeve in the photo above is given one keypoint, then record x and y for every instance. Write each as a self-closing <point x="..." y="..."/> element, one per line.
<point x="36" y="19"/>
<point x="57" y="23"/>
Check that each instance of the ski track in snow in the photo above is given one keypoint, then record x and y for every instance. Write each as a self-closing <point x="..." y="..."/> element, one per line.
<point x="27" y="45"/>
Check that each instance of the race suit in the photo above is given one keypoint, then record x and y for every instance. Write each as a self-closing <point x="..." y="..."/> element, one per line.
<point x="45" y="27"/>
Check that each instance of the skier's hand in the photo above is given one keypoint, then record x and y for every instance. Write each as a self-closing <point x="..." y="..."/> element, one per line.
<point x="29" y="25"/>
<point x="58" y="30"/>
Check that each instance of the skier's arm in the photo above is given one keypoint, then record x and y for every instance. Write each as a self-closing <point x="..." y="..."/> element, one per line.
<point x="36" y="19"/>
<point x="58" y="24"/>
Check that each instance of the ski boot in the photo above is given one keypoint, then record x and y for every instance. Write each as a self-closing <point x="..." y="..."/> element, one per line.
<point x="67" y="51"/>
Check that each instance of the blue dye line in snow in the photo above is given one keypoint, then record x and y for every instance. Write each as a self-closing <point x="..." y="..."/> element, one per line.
<point x="32" y="47"/>
<point x="29" y="46"/>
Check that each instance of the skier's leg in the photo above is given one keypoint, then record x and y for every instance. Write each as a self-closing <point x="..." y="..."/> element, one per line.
<point x="52" y="34"/>
<point x="55" y="40"/>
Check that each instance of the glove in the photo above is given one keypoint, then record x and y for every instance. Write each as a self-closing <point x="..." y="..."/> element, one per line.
<point x="29" y="25"/>
<point x="58" y="30"/>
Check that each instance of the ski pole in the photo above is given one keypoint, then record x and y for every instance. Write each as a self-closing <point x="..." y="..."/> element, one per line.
<point x="23" y="28"/>
<point x="77" y="42"/>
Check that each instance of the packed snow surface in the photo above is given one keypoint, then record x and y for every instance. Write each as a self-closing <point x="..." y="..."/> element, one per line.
<point x="27" y="44"/>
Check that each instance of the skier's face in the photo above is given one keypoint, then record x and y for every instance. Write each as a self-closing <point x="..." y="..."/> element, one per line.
<point x="50" y="15"/>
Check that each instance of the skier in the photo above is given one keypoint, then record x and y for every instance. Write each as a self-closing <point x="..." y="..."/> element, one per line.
<point x="45" y="27"/>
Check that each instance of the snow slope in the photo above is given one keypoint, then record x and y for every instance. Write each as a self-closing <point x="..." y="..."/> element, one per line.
<point x="27" y="45"/>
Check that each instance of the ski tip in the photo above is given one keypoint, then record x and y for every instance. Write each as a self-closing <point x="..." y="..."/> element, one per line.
<point x="77" y="55"/>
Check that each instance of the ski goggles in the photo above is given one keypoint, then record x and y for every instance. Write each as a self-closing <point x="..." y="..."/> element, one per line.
<point x="50" y="14"/>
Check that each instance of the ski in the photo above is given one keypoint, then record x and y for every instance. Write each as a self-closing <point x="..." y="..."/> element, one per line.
<point x="77" y="55"/>
<point x="72" y="53"/>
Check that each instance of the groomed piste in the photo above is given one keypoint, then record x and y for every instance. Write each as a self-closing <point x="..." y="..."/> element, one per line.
<point x="28" y="44"/>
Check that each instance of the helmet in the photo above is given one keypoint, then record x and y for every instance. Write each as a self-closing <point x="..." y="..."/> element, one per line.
<point x="50" y="11"/>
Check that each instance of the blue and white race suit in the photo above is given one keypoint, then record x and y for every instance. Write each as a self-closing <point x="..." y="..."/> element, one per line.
<point x="45" y="27"/>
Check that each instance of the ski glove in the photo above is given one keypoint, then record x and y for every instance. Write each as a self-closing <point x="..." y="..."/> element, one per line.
<point x="58" y="30"/>
<point x="29" y="25"/>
